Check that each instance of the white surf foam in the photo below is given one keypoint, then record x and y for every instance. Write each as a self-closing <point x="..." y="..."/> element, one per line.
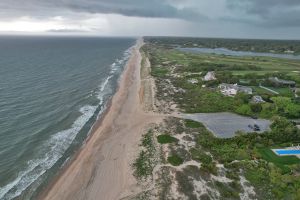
<point x="115" y="67"/>
<point x="55" y="147"/>
<point x="58" y="143"/>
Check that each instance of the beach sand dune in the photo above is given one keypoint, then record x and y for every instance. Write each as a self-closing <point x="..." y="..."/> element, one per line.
<point x="102" y="168"/>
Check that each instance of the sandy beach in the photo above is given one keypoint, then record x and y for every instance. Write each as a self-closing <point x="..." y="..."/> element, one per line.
<point x="102" y="169"/>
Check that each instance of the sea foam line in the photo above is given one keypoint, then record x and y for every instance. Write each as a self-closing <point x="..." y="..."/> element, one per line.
<point x="56" y="146"/>
<point x="59" y="142"/>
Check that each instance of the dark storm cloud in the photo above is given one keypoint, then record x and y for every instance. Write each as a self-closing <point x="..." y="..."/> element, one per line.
<point x="139" y="8"/>
<point x="272" y="13"/>
<point x="215" y="16"/>
<point x="263" y="6"/>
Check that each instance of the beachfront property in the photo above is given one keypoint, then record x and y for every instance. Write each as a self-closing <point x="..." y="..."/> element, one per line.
<point x="233" y="89"/>
<point x="282" y="82"/>
<point x="289" y="151"/>
<point x="210" y="76"/>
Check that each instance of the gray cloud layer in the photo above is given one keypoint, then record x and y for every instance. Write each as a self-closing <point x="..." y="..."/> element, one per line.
<point x="271" y="14"/>
<point x="141" y="8"/>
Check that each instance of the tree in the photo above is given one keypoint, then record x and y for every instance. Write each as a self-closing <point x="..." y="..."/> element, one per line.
<point x="256" y="107"/>
<point x="283" y="131"/>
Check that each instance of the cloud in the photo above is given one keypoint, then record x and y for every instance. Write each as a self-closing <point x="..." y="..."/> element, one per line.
<point x="270" y="13"/>
<point x="66" y="30"/>
<point x="209" y="18"/>
<point x="137" y="8"/>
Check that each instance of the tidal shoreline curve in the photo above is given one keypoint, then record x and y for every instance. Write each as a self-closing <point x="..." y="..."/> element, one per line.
<point x="102" y="167"/>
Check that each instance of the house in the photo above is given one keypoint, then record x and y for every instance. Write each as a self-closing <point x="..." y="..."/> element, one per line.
<point x="228" y="89"/>
<point x="233" y="89"/>
<point x="289" y="51"/>
<point x="278" y="82"/>
<point x="257" y="99"/>
<point x="210" y="76"/>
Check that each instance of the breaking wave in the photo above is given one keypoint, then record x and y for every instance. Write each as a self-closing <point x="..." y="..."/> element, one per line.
<point x="56" y="146"/>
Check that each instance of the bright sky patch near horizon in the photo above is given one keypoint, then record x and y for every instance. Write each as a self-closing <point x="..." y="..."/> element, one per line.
<point x="273" y="19"/>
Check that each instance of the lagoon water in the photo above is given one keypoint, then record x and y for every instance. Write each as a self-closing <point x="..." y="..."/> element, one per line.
<point x="52" y="89"/>
<point x="228" y="52"/>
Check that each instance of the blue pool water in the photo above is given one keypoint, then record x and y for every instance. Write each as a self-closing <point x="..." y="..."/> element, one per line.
<point x="288" y="151"/>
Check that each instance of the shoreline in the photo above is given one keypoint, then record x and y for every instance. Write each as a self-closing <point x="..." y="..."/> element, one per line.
<point x="45" y="190"/>
<point x="99" y="121"/>
<point x="101" y="167"/>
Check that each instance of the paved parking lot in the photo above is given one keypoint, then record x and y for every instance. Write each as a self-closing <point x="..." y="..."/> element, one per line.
<point x="225" y="125"/>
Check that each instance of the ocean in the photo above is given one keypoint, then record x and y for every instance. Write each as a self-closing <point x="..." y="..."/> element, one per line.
<point x="52" y="90"/>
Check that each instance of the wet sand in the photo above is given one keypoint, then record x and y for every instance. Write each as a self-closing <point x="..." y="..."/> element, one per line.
<point x="102" y="169"/>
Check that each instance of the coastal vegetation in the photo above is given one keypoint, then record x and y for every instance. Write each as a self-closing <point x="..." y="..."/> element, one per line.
<point x="175" y="160"/>
<point x="203" y="166"/>
<point x="273" y="46"/>
<point x="250" y="155"/>
<point x="175" y="68"/>
<point x="146" y="160"/>
<point x="164" y="139"/>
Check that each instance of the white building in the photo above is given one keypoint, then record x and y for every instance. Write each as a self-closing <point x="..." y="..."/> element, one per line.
<point x="233" y="89"/>
<point x="210" y="76"/>
<point x="257" y="99"/>
<point x="193" y="81"/>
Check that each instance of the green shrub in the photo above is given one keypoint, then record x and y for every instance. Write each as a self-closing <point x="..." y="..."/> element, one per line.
<point x="256" y="107"/>
<point x="200" y="156"/>
<point x="164" y="139"/>
<point x="244" y="110"/>
<point x="209" y="167"/>
<point x="193" y="124"/>
<point x="175" y="160"/>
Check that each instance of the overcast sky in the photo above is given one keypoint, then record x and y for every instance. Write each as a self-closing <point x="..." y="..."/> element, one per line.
<point x="204" y="18"/>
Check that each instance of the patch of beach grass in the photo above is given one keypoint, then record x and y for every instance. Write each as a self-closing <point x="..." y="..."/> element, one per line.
<point x="228" y="191"/>
<point x="159" y="72"/>
<point x="145" y="162"/>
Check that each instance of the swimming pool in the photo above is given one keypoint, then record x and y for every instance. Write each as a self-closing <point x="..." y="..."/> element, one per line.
<point x="287" y="151"/>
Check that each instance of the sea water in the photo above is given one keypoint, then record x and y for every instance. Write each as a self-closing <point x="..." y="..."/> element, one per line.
<point x="52" y="90"/>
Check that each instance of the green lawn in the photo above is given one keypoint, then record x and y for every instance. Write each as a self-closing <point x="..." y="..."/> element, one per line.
<point x="280" y="161"/>
<point x="262" y="91"/>
<point x="283" y="91"/>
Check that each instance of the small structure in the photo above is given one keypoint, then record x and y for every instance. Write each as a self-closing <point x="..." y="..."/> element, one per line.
<point x="228" y="89"/>
<point x="210" y="76"/>
<point x="193" y="81"/>
<point x="257" y="99"/>
<point x="279" y="82"/>
<point x="296" y="92"/>
<point x="233" y="89"/>
<point x="289" y="51"/>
